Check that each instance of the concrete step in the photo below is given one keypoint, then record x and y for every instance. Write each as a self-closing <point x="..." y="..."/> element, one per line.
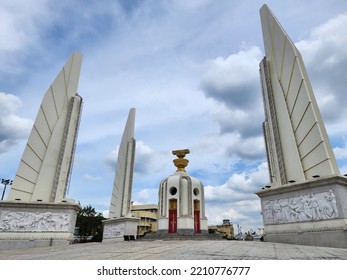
<point x="174" y="236"/>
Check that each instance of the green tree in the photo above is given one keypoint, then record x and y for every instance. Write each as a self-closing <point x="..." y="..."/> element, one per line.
<point x="89" y="225"/>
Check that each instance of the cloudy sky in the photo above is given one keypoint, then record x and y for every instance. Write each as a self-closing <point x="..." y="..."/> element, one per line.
<point x="190" y="68"/>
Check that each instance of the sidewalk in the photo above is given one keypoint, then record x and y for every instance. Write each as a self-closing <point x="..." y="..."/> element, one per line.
<point x="177" y="250"/>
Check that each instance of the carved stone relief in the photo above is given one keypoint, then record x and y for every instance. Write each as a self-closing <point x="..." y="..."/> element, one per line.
<point x="114" y="230"/>
<point x="33" y="221"/>
<point x="310" y="207"/>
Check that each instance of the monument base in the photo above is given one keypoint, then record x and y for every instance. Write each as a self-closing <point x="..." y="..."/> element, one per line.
<point x="120" y="229"/>
<point x="182" y="232"/>
<point x="27" y="224"/>
<point x="308" y="213"/>
<point x="185" y="226"/>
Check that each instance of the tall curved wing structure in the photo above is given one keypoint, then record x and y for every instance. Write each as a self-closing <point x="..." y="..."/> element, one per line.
<point x="45" y="167"/>
<point x="297" y="143"/>
<point x="122" y="186"/>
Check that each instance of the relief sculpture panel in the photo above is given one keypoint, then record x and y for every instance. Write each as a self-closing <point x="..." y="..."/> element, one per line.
<point x="310" y="207"/>
<point x="33" y="221"/>
<point x="114" y="230"/>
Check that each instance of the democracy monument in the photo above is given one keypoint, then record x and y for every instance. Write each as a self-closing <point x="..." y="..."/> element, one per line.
<point x="306" y="200"/>
<point x="181" y="196"/>
<point x="304" y="203"/>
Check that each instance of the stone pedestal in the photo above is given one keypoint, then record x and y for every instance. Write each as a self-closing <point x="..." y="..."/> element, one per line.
<point x="185" y="227"/>
<point x="309" y="213"/>
<point x="120" y="229"/>
<point x="26" y="224"/>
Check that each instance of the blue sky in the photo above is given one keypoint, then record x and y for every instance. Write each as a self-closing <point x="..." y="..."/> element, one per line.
<point x="190" y="68"/>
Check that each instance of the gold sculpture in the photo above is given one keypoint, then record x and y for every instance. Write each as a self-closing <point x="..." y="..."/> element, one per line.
<point x="180" y="162"/>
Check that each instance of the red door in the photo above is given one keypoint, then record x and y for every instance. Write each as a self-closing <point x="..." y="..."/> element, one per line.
<point x="172" y="221"/>
<point x="197" y="222"/>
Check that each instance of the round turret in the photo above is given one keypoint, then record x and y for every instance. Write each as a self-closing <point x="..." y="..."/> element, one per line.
<point x="181" y="201"/>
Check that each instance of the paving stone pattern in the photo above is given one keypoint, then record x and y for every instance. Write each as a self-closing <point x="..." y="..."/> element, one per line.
<point x="177" y="250"/>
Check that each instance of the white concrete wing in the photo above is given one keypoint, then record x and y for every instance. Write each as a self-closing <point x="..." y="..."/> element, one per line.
<point x="306" y="149"/>
<point x="44" y="169"/>
<point x="122" y="186"/>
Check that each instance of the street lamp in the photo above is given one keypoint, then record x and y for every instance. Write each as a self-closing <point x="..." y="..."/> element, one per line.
<point x="5" y="182"/>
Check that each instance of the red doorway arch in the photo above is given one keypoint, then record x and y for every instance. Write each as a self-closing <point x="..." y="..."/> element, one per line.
<point x="172" y="216"/>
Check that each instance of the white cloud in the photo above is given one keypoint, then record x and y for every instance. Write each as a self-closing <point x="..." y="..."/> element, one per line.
<point x="105" y="213"/>
<point x="340" y="152"/>
<point x="111" y="158"/>
<point x="91" y="178"/>
<point x="146" y="196"/>
<point x="144" y="158"/>
<point x="251" y="148"/>
<point x="341" y="157"/>
<point x="343" y="169"/>
<point x="12" y="127"/>
<point x="20" y="22"/>
<point x="245" y="213"/>
<point x="235" y="199"/>
<point x="9" y="103"/>
<point x="239" y="185"/>
<point x="192" y="4"/>
<point x="218" y="213"/>
<point x="234" y="80"/>
<point x="326" y="44"/>
<point x="325" y="55"/>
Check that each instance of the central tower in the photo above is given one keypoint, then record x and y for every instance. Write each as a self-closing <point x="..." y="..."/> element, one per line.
<point x="181" y="201"/>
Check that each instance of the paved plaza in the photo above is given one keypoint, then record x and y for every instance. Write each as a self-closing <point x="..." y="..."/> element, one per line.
<point x="177" y="250"/>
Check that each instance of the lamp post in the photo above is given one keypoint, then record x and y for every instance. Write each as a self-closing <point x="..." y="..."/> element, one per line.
<point x="5" y="182"/>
